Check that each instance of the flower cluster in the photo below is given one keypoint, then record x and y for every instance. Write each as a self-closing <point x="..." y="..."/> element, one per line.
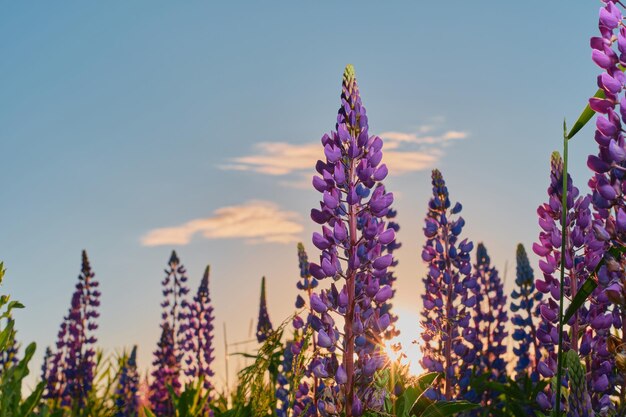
<point x="590" y="325"/>
<point x="525" y="318"/>
<point x="305" y="393"/>
<point x="450" y="297"/>
<point x="199" y="341"/>
<point x="166" y="373"/>
<point x="354" y="233"/>
<point x="490" y="319"/>
<point x="609" y="165"/>
<point x="69" y="371"/>
<point x="126" y="394"/>
<point x="264" y="325"/>
<point x="174" y="336"/>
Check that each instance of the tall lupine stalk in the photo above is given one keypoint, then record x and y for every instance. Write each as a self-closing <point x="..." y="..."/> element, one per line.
<point x="70" y="372"/>
<point x="352" y="211"/>
<point x="199" y="343"/>
<point x="490" y="319"/>
<point x="526" y="317"/>
<point x="608" y="183"/>
<point x="165" y="375"/>
<point x="590" y="325"/>
<point x="449" y="338"/>
<point x="264" y="325"/>
<point x="127" y="391"/>
<point x="170" y="350"/>
<point x="305" y="395"/>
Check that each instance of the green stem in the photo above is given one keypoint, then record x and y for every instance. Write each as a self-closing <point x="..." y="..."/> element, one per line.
<point x="559" y="363"/>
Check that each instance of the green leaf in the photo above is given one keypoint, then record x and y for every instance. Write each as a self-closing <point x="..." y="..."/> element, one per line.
<point x="447" y="408"/>
<point x="6" y="334"/>
<point x="584" y="117"/>
<point x="422" y="402"/>
<point x="148" y="413"/>
<point x="32" y="400"/>
<point x="581" y="295"/>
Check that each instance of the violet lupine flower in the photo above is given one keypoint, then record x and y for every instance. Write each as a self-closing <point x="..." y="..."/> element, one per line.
<point x="70" y="371"/>
<point x="126" y="395"/>
<point x="525" y="318"/>
<point x="609" y="165"/>
<point x="170" y="350"/>
<point x="352" y="212"/>
<point x="264" y="325"/>
<point x="306" y="393"/>
<point x="449" y="339"/>
<point x="199" y="344"/>
<point x="591" y="324"/>
<point x="282" y="381"/>
<point x="490" y="319"/>
<point x="166" y="374"/>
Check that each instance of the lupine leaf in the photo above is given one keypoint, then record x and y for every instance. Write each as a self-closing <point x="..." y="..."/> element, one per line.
<point x="447" y="408"/>
<point x="584" y="117"/>
<point x="422" y="402"/>
<point x="581" y="295"/>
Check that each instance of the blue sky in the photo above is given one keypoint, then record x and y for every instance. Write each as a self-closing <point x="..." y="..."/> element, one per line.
<point x="120" y="121"/>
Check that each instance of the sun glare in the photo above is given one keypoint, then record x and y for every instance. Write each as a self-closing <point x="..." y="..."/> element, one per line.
<point x="405" y="347"/>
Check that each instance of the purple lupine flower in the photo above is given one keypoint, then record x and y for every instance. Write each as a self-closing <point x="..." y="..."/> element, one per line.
<point x="282" y="380"/>
<point x="449" y="339"/>
<point x="609" y="166"/>
<point x="80" y="354"/>
<point x="126" y="394"/>
<point x="166" y="374"/>
<point x="525" y="318"/>
<point x="490" y="320"/>
<point x="69" y="372"/>
<point x="264" y="325"/>
<point x="174" y="336"/>
<point x="352" y="212"/>
<point x="199" y="346"/>
<point x="587" y="331"/>
<point x="305" y="398"/>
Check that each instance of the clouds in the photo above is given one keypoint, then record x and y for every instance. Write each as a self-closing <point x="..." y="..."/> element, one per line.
<point x="277" y="158"/>
<point x="404" y="152"/>
<point x="255" y="221"/>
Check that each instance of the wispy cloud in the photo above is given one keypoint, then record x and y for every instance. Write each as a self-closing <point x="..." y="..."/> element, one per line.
<point x="418" y="138"/>
<point x="404" y="152"/>
<point x="255" y="221"/>
<point x="277" y="158"/>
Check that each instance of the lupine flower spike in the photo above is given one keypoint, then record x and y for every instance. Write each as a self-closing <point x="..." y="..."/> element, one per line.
<point x="306" y="393"/>
<point x="352" y="211"/>
<point x="200" y="334"/>
<point x="166" y="374"/>
<point x="70" y="370"/>
<point x="526" y="317"/>
<point x="609" y="164"/>
<point x="126" y="398"/>
<point x="264" y="325"/>
<point x="174" y="332"/>
<point x="449" y="339"/>
<point x="491" y="318"/>
<point x="591" y="324"/>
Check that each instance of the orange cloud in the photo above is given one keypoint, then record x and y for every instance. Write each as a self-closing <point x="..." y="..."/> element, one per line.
<point x="255" y="221"/>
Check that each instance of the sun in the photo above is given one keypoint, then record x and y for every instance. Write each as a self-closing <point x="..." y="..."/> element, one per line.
<point x="409" y="352"/>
